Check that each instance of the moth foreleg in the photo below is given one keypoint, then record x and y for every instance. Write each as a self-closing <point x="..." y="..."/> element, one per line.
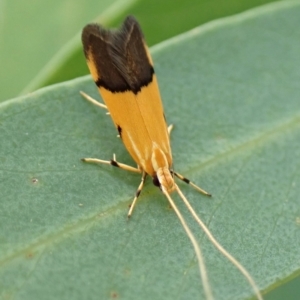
<point x="94" y="101"/>
<point x="170" y="128"/>
<point x="112" y="162"/>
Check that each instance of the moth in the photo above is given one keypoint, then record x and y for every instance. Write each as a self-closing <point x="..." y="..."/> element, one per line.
<point x="122" y="68"/>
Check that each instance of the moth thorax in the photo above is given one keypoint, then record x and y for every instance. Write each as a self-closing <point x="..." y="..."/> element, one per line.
<point x="165" y="179"/>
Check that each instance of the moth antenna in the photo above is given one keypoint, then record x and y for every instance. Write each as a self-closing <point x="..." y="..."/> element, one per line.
<point x="201" y="264"/>
<point x="221" y="249"/>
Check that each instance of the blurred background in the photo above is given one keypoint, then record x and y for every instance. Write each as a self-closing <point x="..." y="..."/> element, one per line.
<point x="40" y="40"/>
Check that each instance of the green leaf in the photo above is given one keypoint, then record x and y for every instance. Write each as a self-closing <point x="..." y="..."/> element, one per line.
<point x="41" y="45"/>
<point x="231" y="88"/>
<point x="36" y="40"/>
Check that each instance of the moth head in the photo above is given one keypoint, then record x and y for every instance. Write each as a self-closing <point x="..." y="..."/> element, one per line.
<point x="164" y="179"/>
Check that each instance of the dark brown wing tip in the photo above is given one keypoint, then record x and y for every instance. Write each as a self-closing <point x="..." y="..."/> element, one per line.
<point x="130" y="24"/>
<point x="131" y="21"/>
<point x="88" y="31"/>
<point x="97" y="30"/>
<point x="120" y="56"/>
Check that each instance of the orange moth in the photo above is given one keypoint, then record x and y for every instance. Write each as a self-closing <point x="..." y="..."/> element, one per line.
<point x="122" y="68"/>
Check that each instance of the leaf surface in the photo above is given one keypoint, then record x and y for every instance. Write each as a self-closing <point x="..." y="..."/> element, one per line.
<point x="231" y="88"/>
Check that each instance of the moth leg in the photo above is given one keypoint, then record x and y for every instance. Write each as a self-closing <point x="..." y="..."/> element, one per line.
<point x="191" y="183"/>
<point x="170" y="127"/>
<point x="112" y="162"/>
<point x="92" y="100"/>
<point x="115" y="163"/>
<point x="138" y="192"/>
